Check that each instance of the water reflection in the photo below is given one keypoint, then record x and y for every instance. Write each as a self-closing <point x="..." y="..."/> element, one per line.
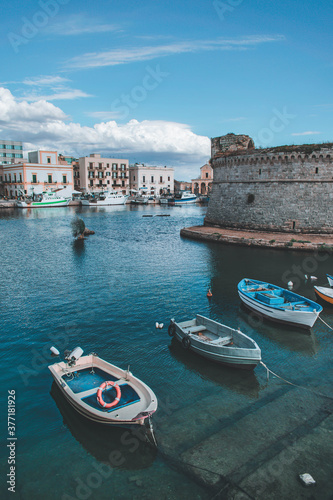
<point x="78" y="247"/>
<point x="242" y="381"/>
<point x="118" y="447"/>
<point x="293" y="338"/>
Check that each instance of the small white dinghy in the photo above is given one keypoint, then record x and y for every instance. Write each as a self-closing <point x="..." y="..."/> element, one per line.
<point x="103" y="392"/>
<point x="217" y="342"/>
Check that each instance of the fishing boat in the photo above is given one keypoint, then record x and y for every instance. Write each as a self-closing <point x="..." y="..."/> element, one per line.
<point x="44" y="199"/>
<point x="330" y="280"/>
<point x="183" y="198"/>
<point x="104" y="198"/>
<point x="103" y="392"/>
<point x="324" y="293"/>
<point x="278" y="304"/>
<point x="216" y="342"/>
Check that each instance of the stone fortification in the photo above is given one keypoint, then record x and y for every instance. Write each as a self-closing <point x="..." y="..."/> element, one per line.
<point x="286" y="188"/>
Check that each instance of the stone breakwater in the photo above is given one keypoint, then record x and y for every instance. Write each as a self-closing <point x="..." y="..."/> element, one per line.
<point x="277" y="240"/>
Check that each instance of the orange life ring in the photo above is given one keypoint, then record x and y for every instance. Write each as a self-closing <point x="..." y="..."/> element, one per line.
<point x="104" y="386"/>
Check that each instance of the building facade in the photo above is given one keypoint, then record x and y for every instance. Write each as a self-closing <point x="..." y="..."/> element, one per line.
<point x="182" y="186"/>
<point x="287" y="188"/>
<point x="35" y="176"/>
<point x="94" y="174"/>
<point x="203" y="184"/>
<point x="151" y="180"/>
<point x="10" y="152"/>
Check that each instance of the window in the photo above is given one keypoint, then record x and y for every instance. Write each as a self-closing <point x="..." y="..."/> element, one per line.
<point x="114" y="166"/>
<point x="133" y="177"/>
<point x="143" y="178"/>
<point x="64" y="179"/>
<point x="152" y="179"/>
<point x="108" y="164"/>
<point x="161" y="178"/>
<point x="91" y="183"/>
<point x="100" y="165"/>
<point x="48" y="159"/>
<point x="317" y="170"/>
<point x="168" y="179"/>
<point x="14" y="177"/>
<point x="123" y="183"/>
<point x="123" y="166"/>
<point x="34" y="178"/>
<point x="20" y="177"/>
<point x="114" y="175"/>
<point x="108" y="182"/>
<point x="90" y="165"/>
<point x="49" y="178"/>
<point x="9" y="178"/>
<point x="206" y="175"/>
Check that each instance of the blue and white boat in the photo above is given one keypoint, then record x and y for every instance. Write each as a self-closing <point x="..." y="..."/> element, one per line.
<point x="103" y="392"/>
<point x="183" y="198"/>
<point x="278" y="304"/>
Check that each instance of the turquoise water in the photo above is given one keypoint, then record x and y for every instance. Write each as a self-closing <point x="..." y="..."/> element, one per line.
<point x="105" y="294"/>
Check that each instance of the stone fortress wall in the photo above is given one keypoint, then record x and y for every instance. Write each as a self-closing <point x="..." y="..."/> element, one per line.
<point x="286" y="188"/>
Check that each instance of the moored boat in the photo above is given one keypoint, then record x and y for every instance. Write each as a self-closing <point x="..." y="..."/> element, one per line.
<point x="103" y="392"/>
<point x="104" y="198"/>
<point x="217" y="342"/>
<point x="278" y="304"/>
<point x="324" y="293"/>
<point x="44" y="199"/>
<point x="330" y="280"/>
<point x="183" y="198"/>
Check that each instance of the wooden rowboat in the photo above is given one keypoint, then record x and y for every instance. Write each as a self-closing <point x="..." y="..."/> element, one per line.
<point x="217" y="342"/>
<point x="278" y="304"/>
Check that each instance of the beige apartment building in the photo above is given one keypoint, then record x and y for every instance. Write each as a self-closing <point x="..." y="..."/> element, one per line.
<point x="151" y="180"/>
<point x="93" y="174"/>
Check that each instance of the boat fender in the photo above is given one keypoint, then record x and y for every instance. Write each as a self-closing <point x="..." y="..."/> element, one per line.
<point x="172" y="329"/>
<point x="186" y="342"/>
<point x="209" y="294"/>
<point x="54" y="351"/>
<point x="104" y="386"/>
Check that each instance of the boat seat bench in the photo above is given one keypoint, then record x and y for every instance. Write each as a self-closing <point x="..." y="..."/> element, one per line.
<point x="196" y="329"/>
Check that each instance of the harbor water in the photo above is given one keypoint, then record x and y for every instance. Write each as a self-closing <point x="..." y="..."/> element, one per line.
<point x="216" y="427"/>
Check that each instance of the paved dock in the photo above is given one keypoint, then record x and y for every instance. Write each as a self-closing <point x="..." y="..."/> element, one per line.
<point x="263" y="239"/>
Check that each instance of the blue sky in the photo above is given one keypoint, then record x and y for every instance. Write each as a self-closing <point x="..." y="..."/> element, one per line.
<point x="152" y="81"/>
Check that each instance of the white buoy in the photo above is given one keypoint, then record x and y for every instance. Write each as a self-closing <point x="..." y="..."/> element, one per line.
<point x="157" y="325"/>
<point x="307" y="479"/>
<point x="54" y="351"/>
<point x="161" y="325"/>
<point x="290" y="285"/>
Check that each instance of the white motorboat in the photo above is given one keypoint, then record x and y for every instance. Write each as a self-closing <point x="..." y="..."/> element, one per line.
<point x="104" y="198"/>
<point x="217" y="342"/>
<point x="103" y="392"/>
<point x="183" y="198"/>
<point x="44" y="199"/>
<point x="278" y="304"/>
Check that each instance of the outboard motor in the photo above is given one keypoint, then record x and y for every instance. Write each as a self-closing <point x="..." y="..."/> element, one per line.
<point x="72" y="356"/>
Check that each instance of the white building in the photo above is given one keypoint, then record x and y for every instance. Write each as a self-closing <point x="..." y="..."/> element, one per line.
<point x="42" y="172"/>
<point x="10" y="152"/>
<point x="93" y="173"/>
<point x="151" y="180"/>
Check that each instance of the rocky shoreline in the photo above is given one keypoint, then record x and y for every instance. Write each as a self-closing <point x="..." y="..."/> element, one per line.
<point x="273" y="240"/>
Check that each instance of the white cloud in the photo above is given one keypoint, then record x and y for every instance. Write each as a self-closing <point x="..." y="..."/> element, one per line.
<point x="306" y="133"/>
<point x="127" y="55"/>
<point x="43" y="125"/>
<point x="45" y="80"/>
<point x="60" y="94"/>
<point x="79" y="24"/>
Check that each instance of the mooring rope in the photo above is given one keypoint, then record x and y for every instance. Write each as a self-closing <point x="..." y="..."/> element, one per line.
<point x="295" y="385"/>
<point x="328" y="326"/>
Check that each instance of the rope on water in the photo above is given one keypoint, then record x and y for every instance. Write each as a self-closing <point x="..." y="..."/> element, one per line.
<point x="295" y="385"/>
<point x="328" y="326"/>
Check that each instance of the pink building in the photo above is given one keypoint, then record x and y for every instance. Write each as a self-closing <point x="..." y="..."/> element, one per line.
<point x="203" y="184"/>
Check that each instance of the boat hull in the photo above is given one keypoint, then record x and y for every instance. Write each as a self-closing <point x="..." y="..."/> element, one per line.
<point x="294" y="317"/>
<point x="324" y="293"/>
<point x="246" y="358"/>
<point x="43" y="204"/>
<point x="104" y="203"/>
